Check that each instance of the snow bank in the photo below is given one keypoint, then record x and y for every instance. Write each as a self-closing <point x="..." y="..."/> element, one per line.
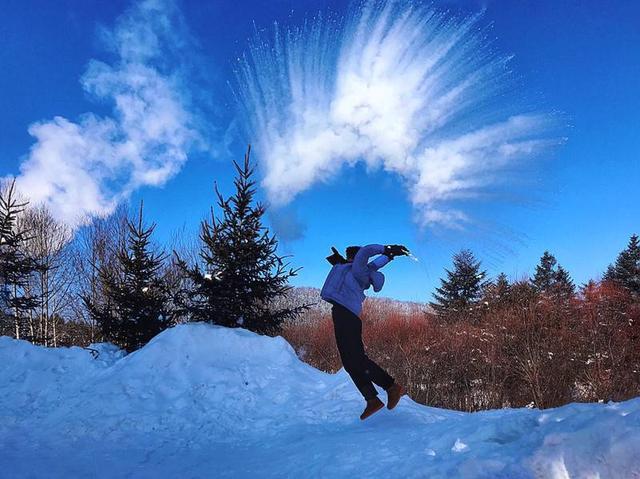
<point x="205" y="401"/>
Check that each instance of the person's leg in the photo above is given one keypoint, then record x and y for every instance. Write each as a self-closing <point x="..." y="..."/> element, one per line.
<point x="348" y="330"/>
<point x="377" y="374"/>
<point x="382" y="379"/>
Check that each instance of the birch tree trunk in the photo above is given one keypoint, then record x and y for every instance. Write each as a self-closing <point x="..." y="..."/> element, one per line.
<point x="50" y="243"/>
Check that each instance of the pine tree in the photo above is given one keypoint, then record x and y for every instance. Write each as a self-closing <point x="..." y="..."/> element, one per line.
<point x="563" y="286"/>
<point x="242" y="274"/>
<point x="626" y="270"/>
<point x="551" y="279"/>
<point x="16" y="267"/>
<point x="136" y="297"/>
<point x="502" y="286"/>
<point x="498" y="291"/>
<point x="462" y="289"/>
<point x="610" y="274"/>
<point x="545" y="276"/>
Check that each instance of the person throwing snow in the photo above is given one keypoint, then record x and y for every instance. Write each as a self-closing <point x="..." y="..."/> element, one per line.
<point x="344" y="288"/>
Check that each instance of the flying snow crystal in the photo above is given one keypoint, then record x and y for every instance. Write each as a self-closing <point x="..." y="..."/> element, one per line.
<point x="414" y="91"/>
<point x="84" y="168"/>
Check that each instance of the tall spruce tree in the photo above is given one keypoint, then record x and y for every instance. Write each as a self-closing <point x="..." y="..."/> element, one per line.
<point x="497" y="292"/>
<point x="16" y="266"/>
<point x="545" y="275"/>
<point x="241" y="274"/>
<point x="626" y="270"/>
<point x="463" y="287"/>
<point x="563" y="287"/>
<point x="134" y="309"/>
<point x="551" y="279"/>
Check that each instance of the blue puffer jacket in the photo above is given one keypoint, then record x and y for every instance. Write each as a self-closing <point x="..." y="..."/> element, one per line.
<point x="346" y="283"/>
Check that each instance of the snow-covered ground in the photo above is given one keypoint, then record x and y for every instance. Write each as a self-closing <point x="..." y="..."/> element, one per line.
<point x="205" y="401"/>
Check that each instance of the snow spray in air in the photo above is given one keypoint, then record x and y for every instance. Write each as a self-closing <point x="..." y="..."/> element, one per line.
<point x="415" y="91"/>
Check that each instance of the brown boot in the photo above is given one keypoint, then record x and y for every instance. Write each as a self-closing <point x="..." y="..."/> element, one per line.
<point x="394" y="393"/>
<point x="373" y="405"/>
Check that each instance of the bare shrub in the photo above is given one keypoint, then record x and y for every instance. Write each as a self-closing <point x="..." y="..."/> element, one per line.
<point x="526" y="349"/>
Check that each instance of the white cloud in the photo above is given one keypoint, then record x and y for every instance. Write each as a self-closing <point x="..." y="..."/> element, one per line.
<point x="408" y="89"/>
<point x="84" y="168"/>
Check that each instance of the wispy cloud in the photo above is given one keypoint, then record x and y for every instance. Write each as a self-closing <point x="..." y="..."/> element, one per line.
<point x="84" y="168"/>
<point x="411" y="90"/>
<point x="286" y="224"/>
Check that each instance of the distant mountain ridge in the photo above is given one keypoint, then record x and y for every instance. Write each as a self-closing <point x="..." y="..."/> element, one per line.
<point x="299" y="295"/>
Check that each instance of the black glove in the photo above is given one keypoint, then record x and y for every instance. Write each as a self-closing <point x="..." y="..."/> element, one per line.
<point x="336" y="258"/>
<point x="393" y="250"/>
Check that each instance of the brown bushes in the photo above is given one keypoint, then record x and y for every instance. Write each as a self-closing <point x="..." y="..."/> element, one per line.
<point x="528" y="350"/>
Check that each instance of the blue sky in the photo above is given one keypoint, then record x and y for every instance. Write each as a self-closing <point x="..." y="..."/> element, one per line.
<point x="578" y="60"/>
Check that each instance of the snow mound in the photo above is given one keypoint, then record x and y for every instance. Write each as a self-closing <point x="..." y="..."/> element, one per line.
<point x="206" y="401"/>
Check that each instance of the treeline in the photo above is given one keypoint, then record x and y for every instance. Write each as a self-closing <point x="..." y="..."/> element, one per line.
<point x="497" y="343"/>
<point x="481" y="343"/>
<point x="111" y="282"/>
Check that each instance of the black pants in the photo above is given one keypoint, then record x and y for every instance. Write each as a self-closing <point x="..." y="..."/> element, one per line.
<point x="363" y="371"/>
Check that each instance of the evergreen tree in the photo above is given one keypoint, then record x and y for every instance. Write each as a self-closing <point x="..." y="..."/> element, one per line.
<point x="626" y="270"/>
<point x="552" y="279"/>
<point x="610" y="274"/>
<point x="16" y="267"/>
<point x="241" y="275"/>
<point x="563" y="286"/>
<point x="545" y="276"/>
<point x="463" y="287"/>
<point x="498" y="291"/>
<point x="502" y="286"/>
<point x="134" y="309"/>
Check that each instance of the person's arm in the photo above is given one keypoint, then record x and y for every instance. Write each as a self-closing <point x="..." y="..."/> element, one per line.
<point x="379" y="262"/>
<point x="360" y="267"/>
